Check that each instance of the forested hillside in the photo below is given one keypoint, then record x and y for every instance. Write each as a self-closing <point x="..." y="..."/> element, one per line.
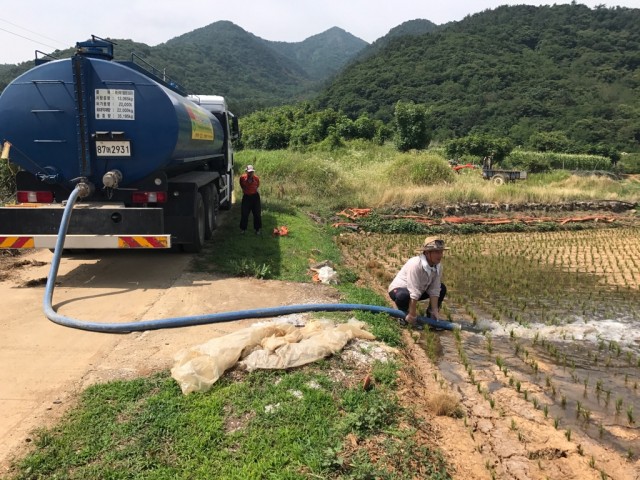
<point x="565" y="71"/>
<point x="410" y="28"/>
<point x="224" y="59"/>
<point x="511" y="71"/>
<point x="322" y="55"/>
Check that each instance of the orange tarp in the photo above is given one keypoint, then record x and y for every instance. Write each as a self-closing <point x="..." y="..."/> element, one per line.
<point x="353" y="213"/>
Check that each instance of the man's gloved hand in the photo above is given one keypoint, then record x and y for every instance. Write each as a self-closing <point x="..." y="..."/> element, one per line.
<point x="411" y="319"/>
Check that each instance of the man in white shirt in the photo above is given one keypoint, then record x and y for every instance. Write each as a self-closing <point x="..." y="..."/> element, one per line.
<point x="421" y="279"/>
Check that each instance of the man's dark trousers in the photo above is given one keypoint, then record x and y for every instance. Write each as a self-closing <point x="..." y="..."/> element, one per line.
<point x="251" y="204"/>
<point x="401" y="297"/>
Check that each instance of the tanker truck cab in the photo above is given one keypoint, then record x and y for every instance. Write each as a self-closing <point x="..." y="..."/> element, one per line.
<point x="154" y="165"/>
<point x="217" y="105"/>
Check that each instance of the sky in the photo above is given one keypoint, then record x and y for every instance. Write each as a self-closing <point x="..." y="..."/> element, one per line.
<point x="47" y="25"/>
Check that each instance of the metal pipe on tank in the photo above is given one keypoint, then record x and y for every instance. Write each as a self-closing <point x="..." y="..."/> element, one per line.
<point x="5" y="151"/>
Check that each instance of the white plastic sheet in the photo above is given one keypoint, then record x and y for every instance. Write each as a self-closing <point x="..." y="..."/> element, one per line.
<point x="264" y="346"/>
<point x="328" y="275"/>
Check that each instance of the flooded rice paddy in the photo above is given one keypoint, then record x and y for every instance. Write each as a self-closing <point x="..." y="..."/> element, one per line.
<point x="560" y="314"/>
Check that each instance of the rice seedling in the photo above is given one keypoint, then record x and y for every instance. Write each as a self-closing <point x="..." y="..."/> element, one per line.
<point x="586" y="415"/>
<point x="541" y="291"/>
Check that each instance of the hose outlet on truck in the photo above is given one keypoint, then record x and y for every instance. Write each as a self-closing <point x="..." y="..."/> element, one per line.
<point x="112" y="179"/>
<point x="85" y="188"/>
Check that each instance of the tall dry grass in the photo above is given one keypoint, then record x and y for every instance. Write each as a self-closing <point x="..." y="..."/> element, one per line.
<point x="367" y="175"/>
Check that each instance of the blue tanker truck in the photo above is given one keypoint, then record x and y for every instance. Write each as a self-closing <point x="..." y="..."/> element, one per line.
<point x="155" y="164"/>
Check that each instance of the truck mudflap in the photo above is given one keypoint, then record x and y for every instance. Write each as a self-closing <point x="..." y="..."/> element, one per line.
<point x="86" y="241"/>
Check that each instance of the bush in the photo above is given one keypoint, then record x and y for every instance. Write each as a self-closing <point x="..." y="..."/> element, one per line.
<point x="550" y="142"/>
<point x="7" y="183"/>
<point x="532" y="163"/>
<point x="421" y="169"/>
<point x="412" y="126"/>
<point x="540" y="162"/>
<point x="479" y="146"/>
<point x="630" y="163"/>
<point x="299" y="127"/>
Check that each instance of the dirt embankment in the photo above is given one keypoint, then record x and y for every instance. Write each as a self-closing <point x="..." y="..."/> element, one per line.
<point x="613" y="206"/>
<point x="501" y="435"/>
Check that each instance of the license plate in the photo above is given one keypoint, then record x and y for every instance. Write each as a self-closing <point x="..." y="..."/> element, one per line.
<point x="120" y="148"/>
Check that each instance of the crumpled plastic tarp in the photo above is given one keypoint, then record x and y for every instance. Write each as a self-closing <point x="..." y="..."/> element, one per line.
<point x="266" y="346"/>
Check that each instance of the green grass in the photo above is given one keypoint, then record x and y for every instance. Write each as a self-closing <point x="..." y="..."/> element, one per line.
<point x="271" y="257"/>
<point x="254" y="427"/>
<point x="380" y="324"/>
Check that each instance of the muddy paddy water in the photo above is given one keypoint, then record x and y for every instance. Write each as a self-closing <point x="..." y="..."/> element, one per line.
<point x="561" y="318"/>
<point x="560" y="313"/>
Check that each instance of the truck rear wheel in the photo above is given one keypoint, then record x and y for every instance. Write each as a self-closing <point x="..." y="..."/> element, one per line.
<point x="498" y="179"/>
<point x="211" y="204"/>
<point x="199" y="227"/>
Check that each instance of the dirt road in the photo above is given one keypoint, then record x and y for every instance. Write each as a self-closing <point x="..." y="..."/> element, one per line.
<point x="44" y="365"/>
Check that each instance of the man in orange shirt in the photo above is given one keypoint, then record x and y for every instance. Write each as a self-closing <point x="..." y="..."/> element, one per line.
<point x="249" y="182"/>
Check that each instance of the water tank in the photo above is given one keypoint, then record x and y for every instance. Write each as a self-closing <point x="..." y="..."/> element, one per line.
<point x="86" y="115"/>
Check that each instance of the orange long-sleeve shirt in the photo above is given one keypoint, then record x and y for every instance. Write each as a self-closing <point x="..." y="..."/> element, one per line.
<point x="249" y="184"/>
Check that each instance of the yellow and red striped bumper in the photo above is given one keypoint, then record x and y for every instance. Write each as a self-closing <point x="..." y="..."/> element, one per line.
<point x="85" y="241"/>
<point x="16" y="242"/>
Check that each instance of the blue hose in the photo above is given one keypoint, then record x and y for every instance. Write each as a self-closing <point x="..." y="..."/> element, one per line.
<point x="177" y="322"/>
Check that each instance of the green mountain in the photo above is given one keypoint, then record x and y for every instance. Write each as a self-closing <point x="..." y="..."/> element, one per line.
<point x="568" y="70"/>
<point x="224" y="59"/>
<point x="410" y="28"/>
<point x="512" y="71"/>
<point x="322" y="55"/>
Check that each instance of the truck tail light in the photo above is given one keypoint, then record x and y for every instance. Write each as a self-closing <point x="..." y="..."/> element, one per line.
<point x="29" y="196"/>
<point x="149" y="197"/>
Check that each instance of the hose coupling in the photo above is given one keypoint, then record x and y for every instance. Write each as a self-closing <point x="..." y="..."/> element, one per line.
<point x="112" y="179"/>
<point x="85" y="188"/>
